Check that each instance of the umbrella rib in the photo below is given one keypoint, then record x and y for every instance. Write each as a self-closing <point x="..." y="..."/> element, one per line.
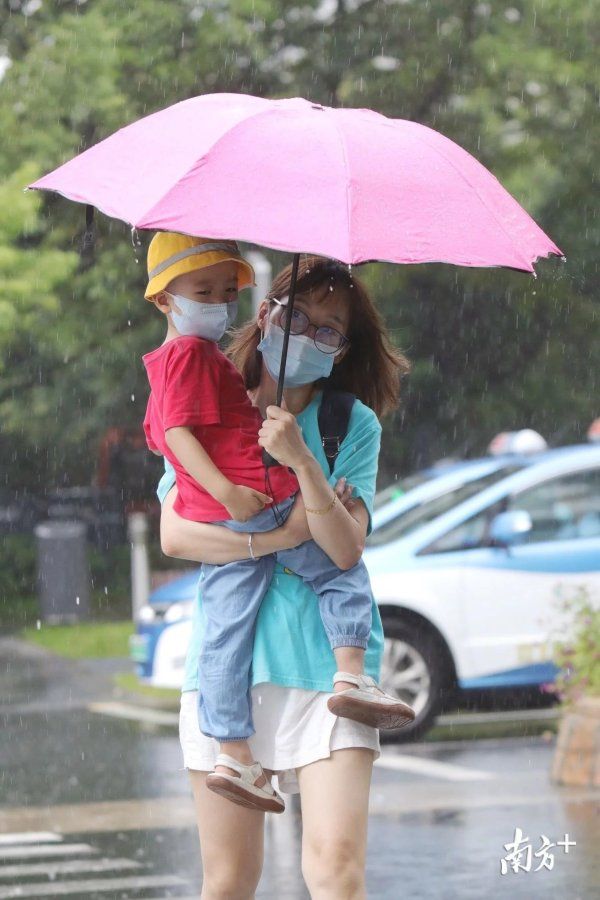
<point x="491" y="212"/>
<point x="204" y="159"/>
<point x="348" y="185"/>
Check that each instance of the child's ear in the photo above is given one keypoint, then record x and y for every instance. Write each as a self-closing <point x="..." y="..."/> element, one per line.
<point x="162" y="302"/>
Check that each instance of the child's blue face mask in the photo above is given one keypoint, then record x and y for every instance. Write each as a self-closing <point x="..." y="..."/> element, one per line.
<point x="205" y="320"/>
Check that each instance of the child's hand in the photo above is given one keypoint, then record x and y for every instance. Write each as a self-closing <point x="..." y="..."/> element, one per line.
<point x="244" y="502"/>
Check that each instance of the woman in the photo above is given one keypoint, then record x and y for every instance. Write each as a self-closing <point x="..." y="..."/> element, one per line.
<point x="293" y="666"/>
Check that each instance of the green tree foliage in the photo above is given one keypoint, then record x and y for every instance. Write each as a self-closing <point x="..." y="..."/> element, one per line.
<point x="34" y="279"/>
<point x="514" y="83"/>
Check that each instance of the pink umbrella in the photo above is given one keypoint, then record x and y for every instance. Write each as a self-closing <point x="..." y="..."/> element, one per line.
<point x="349" y="184"/>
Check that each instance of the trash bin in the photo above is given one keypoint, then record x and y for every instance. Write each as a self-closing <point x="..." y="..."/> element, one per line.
<point x="100" y="508"/>
<point x="63" y="571"/>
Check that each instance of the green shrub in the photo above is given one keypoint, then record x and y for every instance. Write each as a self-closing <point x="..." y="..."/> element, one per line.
<point x="579" y="657"/>
<point x="18" y="573"/>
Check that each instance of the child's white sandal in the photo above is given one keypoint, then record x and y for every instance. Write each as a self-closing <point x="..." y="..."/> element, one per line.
<point x="242" y="788"/>
<point x="368" y="703"/>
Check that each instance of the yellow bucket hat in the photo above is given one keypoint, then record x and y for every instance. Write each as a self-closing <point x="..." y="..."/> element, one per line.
<point x="171" y="254"/>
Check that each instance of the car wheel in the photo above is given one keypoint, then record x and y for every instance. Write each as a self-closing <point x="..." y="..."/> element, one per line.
<point x="415" y="669"/>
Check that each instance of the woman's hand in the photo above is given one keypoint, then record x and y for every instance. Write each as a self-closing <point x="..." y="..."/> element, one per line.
<point x="344" y="493"/>
<point x="280" y="435"/>
<point x="295" y="528"/>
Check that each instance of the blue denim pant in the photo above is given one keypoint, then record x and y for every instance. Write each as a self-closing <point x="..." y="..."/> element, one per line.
<point x="231" y="597"/>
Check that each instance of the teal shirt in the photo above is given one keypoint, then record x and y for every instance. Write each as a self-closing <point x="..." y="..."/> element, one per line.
<point x="290" y="645"/>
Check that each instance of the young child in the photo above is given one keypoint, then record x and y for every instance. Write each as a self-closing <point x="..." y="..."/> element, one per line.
<point x="200" y="418"/>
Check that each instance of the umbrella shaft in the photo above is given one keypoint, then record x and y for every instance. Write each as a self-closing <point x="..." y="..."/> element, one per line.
<point x="269" y="460"/>
<point x="288" y="325"/>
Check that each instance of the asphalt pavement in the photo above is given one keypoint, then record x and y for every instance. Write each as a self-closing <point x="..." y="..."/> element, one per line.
<point x="95" y="804"/>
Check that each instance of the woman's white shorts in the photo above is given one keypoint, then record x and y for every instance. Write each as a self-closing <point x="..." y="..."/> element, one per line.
<point x="293" y="728"/>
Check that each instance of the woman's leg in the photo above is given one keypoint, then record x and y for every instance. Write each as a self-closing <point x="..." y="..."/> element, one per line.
<point x="335" y="809"/>
<point x="231" y="844"/>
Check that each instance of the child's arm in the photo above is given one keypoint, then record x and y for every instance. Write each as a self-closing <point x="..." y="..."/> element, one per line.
<point x="240" y="501"/>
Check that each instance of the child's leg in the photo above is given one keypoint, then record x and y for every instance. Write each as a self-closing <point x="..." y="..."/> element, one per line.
<point x="348" y="659"/>
<point x="231" y="597"/>
<point x="345" y="603"/>
<point x="345" y="600"/>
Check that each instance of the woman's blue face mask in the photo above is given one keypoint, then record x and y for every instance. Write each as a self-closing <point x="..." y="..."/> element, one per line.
<point x="305" y="363"/>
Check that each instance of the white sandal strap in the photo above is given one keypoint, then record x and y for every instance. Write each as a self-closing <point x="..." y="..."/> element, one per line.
<point x="248" y="774"/>
<point x="224" y="760"/>
<point x="346" y="676"/>
<point x="360" y="681"/>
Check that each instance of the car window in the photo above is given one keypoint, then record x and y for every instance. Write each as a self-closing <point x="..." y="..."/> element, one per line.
<point x="417" y="516"/>
<point x="466" y="536"/>
<point x="562" y="508"/>
<point x="399" y="488"/>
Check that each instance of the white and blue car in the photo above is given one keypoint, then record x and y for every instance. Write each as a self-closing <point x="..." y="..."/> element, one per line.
<point x="467" y="567"/>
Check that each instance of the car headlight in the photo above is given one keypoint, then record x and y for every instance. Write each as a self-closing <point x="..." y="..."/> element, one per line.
<point x="146" y="615"/>
<point x="175" y="612"/>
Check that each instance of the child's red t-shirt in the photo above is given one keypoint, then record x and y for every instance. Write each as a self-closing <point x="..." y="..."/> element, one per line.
<point x="193" y="384"/>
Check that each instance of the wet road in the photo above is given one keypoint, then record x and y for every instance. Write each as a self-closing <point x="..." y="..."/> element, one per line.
<point x="98" y="807"/>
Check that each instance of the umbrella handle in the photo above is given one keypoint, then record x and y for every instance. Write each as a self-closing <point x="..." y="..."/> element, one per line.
<point x="268" y="460"/>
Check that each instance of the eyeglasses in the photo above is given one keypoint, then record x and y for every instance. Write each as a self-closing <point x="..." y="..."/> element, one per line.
<point x="326" y="339"/>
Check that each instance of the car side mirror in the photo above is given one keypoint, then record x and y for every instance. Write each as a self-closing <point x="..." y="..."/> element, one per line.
<point x="510" y="527"/>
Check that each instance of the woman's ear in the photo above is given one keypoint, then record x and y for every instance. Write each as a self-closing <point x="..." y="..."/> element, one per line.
<point x="339" y="356"/>
<point x="263" y="314"/>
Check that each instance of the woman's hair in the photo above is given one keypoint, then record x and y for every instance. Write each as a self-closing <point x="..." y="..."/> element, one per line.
<point x="371" y="368"/>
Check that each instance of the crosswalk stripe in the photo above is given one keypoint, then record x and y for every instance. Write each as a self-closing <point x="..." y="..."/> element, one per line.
<point x="27" y="851"/>
<point x="68" y="867"/>
<point x="135" y="713"/>
<point x="93" y="885"/>
<point x="104" y="816"/>
<point x="29" y="837"/>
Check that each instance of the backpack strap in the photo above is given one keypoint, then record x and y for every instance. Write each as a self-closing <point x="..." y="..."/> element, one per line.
<point x="334" y="417"/>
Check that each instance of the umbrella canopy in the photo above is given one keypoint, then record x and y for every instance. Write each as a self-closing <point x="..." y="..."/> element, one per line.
<point x="292" y="175"/>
